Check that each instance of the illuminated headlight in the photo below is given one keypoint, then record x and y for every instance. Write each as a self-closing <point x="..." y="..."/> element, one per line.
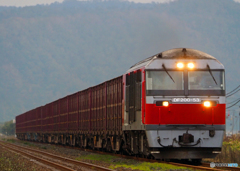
<point x="207" y="104"/>
<point x="190" y="65"/>
<point x="165" y="103"/>
<point x="180" y="65"/>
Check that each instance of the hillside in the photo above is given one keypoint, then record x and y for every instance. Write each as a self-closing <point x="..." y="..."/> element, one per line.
<point x="48" y="52"/>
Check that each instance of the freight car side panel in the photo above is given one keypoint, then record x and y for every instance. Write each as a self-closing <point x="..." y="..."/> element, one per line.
<point x="29" y="119"/>
<point x="84" y="110"/>
<point x="26" y="122"/>
<point x="30" y="116"/>
<point x="63" y="116"/>
<point x="44" y="119"/>
<point x="93" y="117"/>
<point x="55" y="115"/>
<point x="33" y="121"/>
<point x="98" y="105"/>
<point x="73" y="112"/>
<point x="50" y="117"/>
<point x="114" y="104"/>
<point x="38" y="119"/>
<point x="100" y="108"/>
<point x="22" y="123"/>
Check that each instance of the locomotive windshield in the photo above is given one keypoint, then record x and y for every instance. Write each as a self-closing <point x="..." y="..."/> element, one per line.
<point x="203" y="80"/>
<point x="179" y="83"/>
<point x="160" y="80"/>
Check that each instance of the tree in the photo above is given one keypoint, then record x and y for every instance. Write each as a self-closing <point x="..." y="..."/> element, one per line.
<point x="8" y="128"/>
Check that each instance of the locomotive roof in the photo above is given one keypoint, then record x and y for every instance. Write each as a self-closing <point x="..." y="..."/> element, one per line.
<point x="179" y="53"/>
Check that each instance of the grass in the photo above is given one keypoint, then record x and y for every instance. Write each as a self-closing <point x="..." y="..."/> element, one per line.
<point x="98" y="157"/>
<point x="116" y="162"/>
<point x="44" y="147"/>
<point x="23" y="142"/>
<point x="5" y="163"/>
<point x="230" y="150"/>
<point x="28" y="144"/>
<point x="14" y="162"/>
<point x="11" y="140"/>
<point x="145" y="166"/>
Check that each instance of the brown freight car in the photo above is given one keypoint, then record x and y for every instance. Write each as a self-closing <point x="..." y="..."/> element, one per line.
<point x="92" y="117"/>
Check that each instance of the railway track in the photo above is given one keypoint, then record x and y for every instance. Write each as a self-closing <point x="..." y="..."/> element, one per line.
<point x="204" y="166"/>
<point x="31" y="153"/>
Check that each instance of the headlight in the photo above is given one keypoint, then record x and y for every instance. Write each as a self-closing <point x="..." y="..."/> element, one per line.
<point x="207" y="104"/>
<point x="180" y="65"/>
<point x="165" y="103"/>
<point x="190" y="65"/>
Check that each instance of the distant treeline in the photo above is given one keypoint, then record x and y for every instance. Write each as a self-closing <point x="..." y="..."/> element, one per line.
<point x="7" y="128"/>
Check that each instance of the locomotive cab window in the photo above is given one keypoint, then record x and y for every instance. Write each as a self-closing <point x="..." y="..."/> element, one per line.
<point x="204" y="80"/>
<point x="161" y="80"/>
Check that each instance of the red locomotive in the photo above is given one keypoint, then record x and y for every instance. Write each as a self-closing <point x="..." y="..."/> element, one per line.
<point x="170" y="106"/>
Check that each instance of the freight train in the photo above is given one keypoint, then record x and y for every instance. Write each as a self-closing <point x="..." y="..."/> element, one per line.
<point x="168" y="106"/>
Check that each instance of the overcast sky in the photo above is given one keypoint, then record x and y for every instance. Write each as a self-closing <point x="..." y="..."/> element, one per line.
<point x="21" y="3"/>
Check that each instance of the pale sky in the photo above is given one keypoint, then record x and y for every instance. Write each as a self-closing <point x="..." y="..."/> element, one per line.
<point x="22" y="3"/>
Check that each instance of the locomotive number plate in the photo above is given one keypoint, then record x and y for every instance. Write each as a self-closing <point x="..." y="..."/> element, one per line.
<point x="186" y="100"/>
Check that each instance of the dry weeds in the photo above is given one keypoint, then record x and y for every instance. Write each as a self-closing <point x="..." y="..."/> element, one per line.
<point x="230" y="150"/>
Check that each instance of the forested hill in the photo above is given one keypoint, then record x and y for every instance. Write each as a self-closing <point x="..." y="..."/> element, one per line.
<point x="48" y="52"/>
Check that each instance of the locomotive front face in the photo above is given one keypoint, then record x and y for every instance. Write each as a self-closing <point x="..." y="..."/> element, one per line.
<point x="185" y="96"/>
<point x="184" y="110"/>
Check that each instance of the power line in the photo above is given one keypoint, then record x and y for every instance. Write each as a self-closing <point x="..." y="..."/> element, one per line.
<point x="233" y="93"/>
<point x="233" y="104"/>
<point x="233" y="101"/>
<point x="233" y="90"/>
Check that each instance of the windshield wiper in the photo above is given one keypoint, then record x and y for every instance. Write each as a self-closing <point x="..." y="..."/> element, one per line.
<point x="211" y="73"/>
<point x="167" y="72"/>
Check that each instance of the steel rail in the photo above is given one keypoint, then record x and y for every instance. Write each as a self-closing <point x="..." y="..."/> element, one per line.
<point x="75" y="162"/>
<point x="205" y="166"/>
<point x="49" y="163"/>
